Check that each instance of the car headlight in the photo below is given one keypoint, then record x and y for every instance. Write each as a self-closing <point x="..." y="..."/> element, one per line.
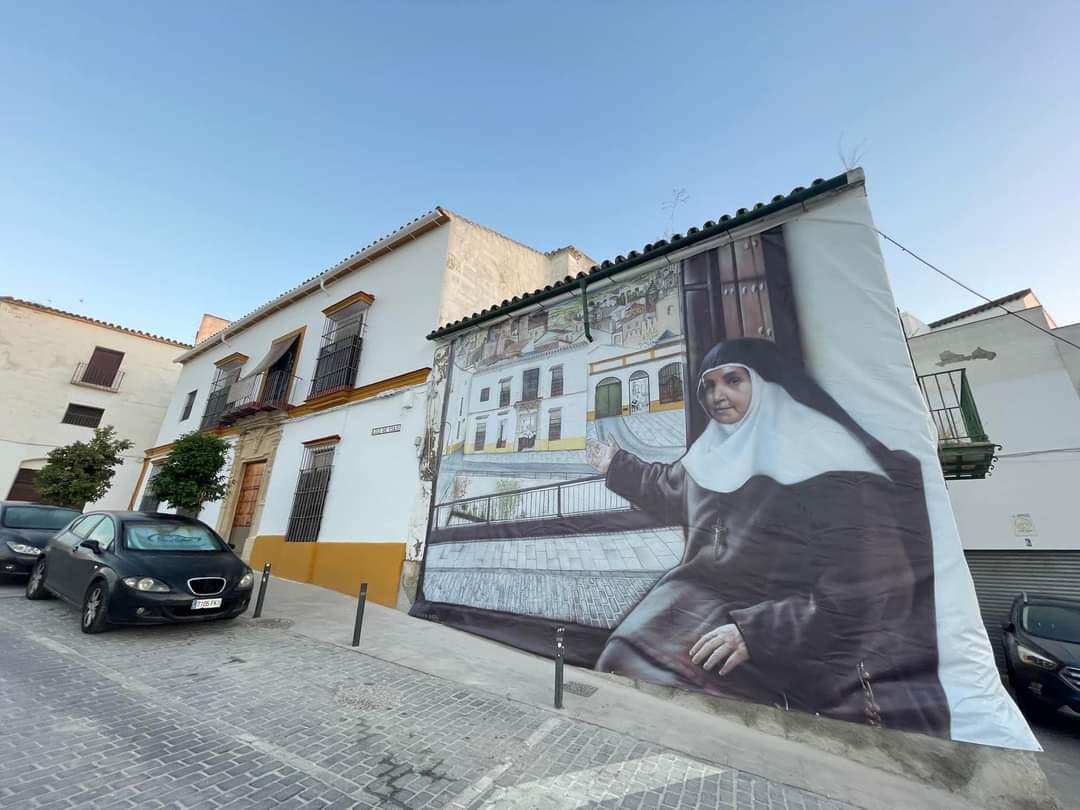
<point x="246" y="580"/>
<point x="23" y="548"/>
<point x="1032" y="658"/>
<point x="146" y="584"/>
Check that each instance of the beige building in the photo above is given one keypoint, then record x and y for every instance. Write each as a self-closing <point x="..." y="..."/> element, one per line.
<point x="61" y="376"/>
<point x="321" y="393"/>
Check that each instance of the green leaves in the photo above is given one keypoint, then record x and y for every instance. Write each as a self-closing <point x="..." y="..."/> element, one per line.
<point x="82" y="471"/>
<point x="191" y="475"/>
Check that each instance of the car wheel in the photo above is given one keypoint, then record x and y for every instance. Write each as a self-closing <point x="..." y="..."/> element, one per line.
<point x="93" y="607"/>
<point x="35" y="586"/>
<point x="1034" y="708"/>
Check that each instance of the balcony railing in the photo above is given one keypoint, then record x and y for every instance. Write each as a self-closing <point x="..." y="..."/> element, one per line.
<point x="563" y="499"/>
<point x="268" y="391"/>
<point x="964" y="448"/>
<point x="97" y="377"/>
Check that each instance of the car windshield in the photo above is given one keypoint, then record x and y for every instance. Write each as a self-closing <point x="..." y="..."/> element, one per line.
<point x="170" y="536"/>
<point x="52" y="518"/>
<point x="1054" y="622"/>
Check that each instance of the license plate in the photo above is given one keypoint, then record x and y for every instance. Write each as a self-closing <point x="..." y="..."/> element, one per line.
<point x="201" y="604"/>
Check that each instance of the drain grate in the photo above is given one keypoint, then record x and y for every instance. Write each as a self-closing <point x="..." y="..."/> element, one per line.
<point x="582" y="689"/>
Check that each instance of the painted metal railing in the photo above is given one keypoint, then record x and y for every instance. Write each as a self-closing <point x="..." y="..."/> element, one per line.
<point x="565" y="498"/>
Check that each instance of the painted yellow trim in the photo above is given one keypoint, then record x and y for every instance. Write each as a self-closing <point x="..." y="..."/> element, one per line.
<point x="335" y="398"/>
<point x="138" y="484"/>
<point x="338" y="566"/>
<point x="150" y="452"/>
<point x="229" y="358"/>
<point x="332" y="439"/>
<point x="677" y="405"/>
<point x="367" y="298"/>
<point x="299" y="335"/>
<point x="590" y="416"/>
<point x="454" y="447"/>
<point x="565" y="443"/>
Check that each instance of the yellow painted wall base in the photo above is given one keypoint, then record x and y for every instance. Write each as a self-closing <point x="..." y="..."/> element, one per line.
<point x="338" y="566"/>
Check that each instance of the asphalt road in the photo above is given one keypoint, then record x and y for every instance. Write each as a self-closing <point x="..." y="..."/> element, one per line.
<point x="247" y="714"/>
<point x="1060" y="760"/>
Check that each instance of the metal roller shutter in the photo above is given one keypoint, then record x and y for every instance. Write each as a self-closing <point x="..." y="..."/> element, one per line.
<point x="1000" y="575"/>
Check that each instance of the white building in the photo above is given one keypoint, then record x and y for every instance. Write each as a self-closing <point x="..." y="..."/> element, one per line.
<point x="1019" y="524"/>
<point x="321" y="393"/>
<point x="61" y="376"/>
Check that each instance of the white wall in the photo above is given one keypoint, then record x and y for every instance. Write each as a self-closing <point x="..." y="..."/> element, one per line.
<point x="39" y="352"/>
<point x="1029" y="405"/>
<point x="374" y="481"/>
<point x="406" y="285"/>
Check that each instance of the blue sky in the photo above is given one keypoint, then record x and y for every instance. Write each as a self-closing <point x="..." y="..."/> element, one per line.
<point x="158" y="161"/>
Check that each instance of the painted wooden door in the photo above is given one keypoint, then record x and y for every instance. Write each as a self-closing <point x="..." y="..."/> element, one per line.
<point x="246" y="501"/>
<point x="609" y="398"/>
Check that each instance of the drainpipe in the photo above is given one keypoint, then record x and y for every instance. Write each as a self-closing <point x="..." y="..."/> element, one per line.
<point x="585" y="307"/>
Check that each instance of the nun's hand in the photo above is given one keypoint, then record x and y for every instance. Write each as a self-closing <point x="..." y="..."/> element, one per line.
<point x="598" y="455"/>
<point x="723" y="645"/>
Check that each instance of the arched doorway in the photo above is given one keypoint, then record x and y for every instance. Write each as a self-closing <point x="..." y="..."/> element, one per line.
<point x="608" y="398"/>
<point x="639" y="392"/>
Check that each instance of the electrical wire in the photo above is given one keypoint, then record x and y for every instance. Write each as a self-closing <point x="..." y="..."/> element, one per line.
<point x="959" y="283"/>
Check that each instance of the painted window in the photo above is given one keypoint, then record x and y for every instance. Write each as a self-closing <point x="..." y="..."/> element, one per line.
<point x="149" y="502"/>
<point x="500" y="440"/>
<point x="554" y="424"/>
<point x="608" y="398"/>
<point x="556" y="381"/>
<point x="339" y="352"/>
<point x="504" y="393"/>
<point x="671" y="387"/>
<point x="309" y="500"/>
<point x="481" y="435"/>
<point x="530" y="384"/>
<point x="102" y="370"/>
<point x="485" y="394"/>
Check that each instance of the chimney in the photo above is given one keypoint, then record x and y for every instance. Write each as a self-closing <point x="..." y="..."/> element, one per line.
<point x="210" y="326"/>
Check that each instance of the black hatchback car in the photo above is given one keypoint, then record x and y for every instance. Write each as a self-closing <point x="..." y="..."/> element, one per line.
<point x="1042" y="651"/>
<point x="141" y="568"/>
<point x="24" y="530"/>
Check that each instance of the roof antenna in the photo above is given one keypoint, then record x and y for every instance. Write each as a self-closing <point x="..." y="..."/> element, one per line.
<point x="678" y="197"/>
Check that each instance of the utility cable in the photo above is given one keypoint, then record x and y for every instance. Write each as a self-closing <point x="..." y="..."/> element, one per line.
<point x="959" y="283"/>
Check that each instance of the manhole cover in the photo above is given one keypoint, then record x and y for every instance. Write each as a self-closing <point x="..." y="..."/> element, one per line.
<point x="582" y="689"/>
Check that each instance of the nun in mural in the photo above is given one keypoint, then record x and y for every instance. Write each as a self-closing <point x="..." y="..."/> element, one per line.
<point x="807" y="576"/>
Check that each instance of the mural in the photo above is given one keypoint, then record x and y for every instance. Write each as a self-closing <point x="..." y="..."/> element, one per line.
<point x="684" y="496"/>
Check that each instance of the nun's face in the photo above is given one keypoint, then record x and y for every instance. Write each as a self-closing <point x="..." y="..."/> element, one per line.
<point x="727" y="394"/>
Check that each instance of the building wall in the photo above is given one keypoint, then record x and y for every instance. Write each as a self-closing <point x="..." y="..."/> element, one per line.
<point x="39" y="352"/>
<point x="1028" y="403"/>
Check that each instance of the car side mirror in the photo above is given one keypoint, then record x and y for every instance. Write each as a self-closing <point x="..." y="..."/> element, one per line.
<point x="93" y="545"/>
<point x="1008" y="627"/>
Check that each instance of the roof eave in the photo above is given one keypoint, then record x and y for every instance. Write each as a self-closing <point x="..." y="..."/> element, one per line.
<point x="654" y="251"/>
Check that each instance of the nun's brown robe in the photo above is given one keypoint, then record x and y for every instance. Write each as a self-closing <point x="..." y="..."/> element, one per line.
<point x="829" y="581"/>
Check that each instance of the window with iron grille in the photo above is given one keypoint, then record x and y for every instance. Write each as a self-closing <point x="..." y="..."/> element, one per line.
<point x="556" y="381"/>
<point x="217" y="401"/>
<point x="554" y="424"/>
<point x="83" y="415"/>
<point x="187" y="405"/>
<point x="149" y="503"/>
<point x="339" y="353"/>
<point x="310" y="497"/>
<point x="481" y="435"/>
<point x="485" y="394"/>
<point x="530" y="384"/>
<point x="671" y="387"/>
<point x="504" y="393"/>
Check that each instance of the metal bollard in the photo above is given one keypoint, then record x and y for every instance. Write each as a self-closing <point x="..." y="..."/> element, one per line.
<point x="262" y="591"/>
<point x="359" y="614"/>
<point x="559" y="649"/>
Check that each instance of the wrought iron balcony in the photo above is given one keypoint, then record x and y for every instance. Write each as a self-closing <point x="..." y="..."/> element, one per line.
<point x="964" y="449"/>
<point x="105" y="378"/>
<point x="267" y="391"/>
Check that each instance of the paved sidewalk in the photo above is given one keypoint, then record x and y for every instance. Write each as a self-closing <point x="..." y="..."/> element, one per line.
<point x="247" y="714"/>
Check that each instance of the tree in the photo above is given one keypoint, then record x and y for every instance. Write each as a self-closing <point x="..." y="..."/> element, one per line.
<point x="81" y="471"/>
<point x="191" y="475"/>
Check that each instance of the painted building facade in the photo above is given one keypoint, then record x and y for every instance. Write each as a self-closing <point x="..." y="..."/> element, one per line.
<point x="321" y="394"/>
<point x="62" y="375"/>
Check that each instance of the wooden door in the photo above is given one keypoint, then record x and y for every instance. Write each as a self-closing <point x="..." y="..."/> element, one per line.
<point x="246" y="501"/>
<point x="609" y="398"/>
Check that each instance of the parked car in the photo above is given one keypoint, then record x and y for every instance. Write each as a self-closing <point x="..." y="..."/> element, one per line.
<point x="1042" y="651"/>
<point x="141" y="568"/>
<point x="24" y="530"/>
